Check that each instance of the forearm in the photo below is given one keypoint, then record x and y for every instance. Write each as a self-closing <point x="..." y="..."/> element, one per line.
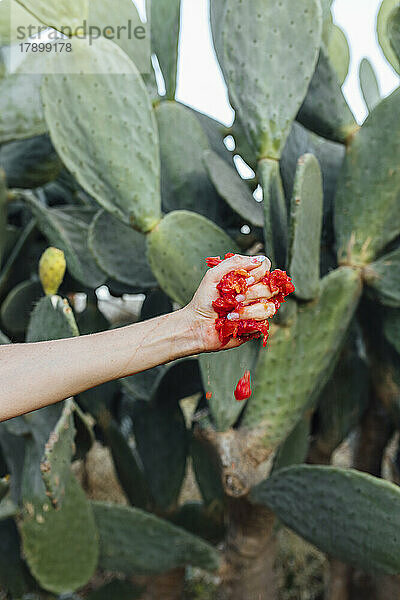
<point x="35" y="375"/>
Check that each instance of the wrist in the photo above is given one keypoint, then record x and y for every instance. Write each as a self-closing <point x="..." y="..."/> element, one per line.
<point x="189" y="331"/>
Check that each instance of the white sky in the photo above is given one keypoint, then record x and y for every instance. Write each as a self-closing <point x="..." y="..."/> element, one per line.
<point x="199" y="79"/>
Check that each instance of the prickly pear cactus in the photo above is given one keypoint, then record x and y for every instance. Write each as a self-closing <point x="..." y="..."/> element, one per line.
<point x="106" y="181"/>
<point x="52" y="267"/>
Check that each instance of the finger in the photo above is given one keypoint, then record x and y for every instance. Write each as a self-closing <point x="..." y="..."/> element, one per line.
<point x="257" y="291"/>
<point x="238" y="261"/>
<point x="260" y="271"/>
<point x="258" y="312"/>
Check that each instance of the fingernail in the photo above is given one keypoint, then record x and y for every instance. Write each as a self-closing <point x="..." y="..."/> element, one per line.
<point x="233" y="316"/>
<point x="240" y="298"/>
<point x="258" y="259"/>
<point x="250" y="280"/>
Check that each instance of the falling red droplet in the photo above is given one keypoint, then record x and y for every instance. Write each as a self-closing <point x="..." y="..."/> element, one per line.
<point x="209" y="395"/>
<point x="243" y="389"/>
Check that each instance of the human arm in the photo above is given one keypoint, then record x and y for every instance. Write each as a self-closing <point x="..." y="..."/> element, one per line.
<point x="39" y="374"/>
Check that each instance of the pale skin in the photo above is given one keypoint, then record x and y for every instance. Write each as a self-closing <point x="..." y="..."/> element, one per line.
<point x="35" y="375"/>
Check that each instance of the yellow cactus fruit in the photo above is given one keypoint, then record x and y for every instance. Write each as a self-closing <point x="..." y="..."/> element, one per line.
<point x="52" y="267"/>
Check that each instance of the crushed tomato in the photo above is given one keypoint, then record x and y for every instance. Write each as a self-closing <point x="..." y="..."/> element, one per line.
<point x="243" y="389"/>
<point x="235" y="283"/>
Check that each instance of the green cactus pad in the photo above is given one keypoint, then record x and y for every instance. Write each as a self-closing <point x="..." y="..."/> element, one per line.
<point x="299" y="359"/>
<point x="102" y="14"/>
<point x="208" y="472"/>
<point x="16" y="308"/>
<point x="275" y="212"/>
<point x="21" y="112"/>
<point x="165" y="25"/>
<point x="58" y="13"/>
<point x="67" y="229"/>
<point x="364" y="225"/>
<point x="91" y="320"/>
<point x="391" y="327"/>
<point x="231" y="187"/>
<point x="135" y="542"/>
<point x="342" y="401"/>
<point x="383" y="276"/>
<point x="220" y="373"/>
<point x="293" y="450"/>
<point x="142" y="386"/>
<point x="129" y="264"/>
<point x="369" y="84"/>
<point x="330" y="156"/>
<point x="51" y="319"/>
<point x="4" y="486"/>
<point x="162" y="443"/>
<point x="393" y="28"/>
<point x="332" y="507"/>
<point x="3" y="338"/>
<point x="129" y="474"/>
<point x="59" y="450"/>
<point x="217" y="9"/>
<point x="184" y="180"/>
<point x="155" y="304"/>
<point x="109" y="117"/>
<point x="15" y="580"/>
<point x="215" y="132"/>
<point x="339" y="52"/>
<point x="30" y="163"/>
<point x="118" y="589"/>
<point x="177" y="249"/>
<point x="305" y="228"/>
<point x="324" y="110"/>
<point x="20" y="15"/>
<point x="3" y="215"/>
<point x="267" y="75"/>
<point x="52" y="539"/>
<point x="8" y="509"/>
<point x="384" y="15"/>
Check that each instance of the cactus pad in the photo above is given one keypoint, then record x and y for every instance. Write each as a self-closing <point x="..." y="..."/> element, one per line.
<point x="305" y="228"/>
<point x="59" y="450"/>
<point x="129" y="264"/>
<point x="331" y="508"/>
<point x="17" y="306"/>
<point x="220" y="373"/>
<point x="177" y="248"/>
<point x="30" y="163"/>
<point x="325" y="110"/>
<point x="165" y="25"/>
<point x="369" y="84"/>
<point x="58" y="13"/>
<point x="184" y="180"/>
<point x="135" y="542"/>
<point x="53" y="538"/>
<point x="162" y="443"/>
<point x="367" y="215"/>
<point x="231" y="187"/>
<point x="339" y="52"/>
<point x="20" y="107"/>
<point x="67" y="229"/>
<point x="384" y="15"/>
<point x="300" y="358"/>
<point x="107" y="116"/>
<point x="51" y="319"/>
<point x="384" y="277"/>
<point x="269" y="52"/>
<point x="393" y="28"/>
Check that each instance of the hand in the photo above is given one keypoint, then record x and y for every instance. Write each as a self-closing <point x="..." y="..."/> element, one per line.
<point x="200" y="312"/>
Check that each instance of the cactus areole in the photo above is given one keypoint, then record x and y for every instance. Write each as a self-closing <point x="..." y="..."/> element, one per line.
<point x="235" y="284"/>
